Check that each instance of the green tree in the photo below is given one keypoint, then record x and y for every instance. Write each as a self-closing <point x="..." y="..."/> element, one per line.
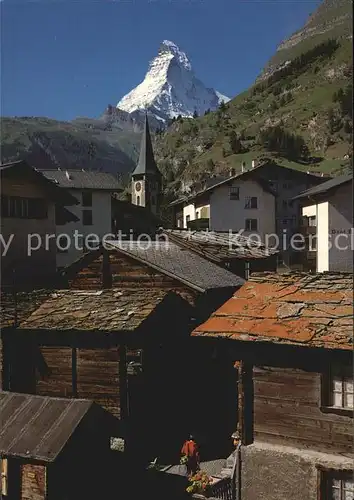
<point x="235" y="143"/>
<point x="347" y="127"/>
<point x="273" y="106"/>
<point x="222" y="106"/>
<point x="277" y="89"/>
<point x="210" y="164"/>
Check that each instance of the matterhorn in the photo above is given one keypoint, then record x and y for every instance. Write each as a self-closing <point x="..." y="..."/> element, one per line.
<point x="170" y="88"/>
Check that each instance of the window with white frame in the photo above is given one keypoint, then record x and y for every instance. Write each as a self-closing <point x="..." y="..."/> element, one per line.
<point x="342" y="392"/>
<point x="234" y="193"/>
<point x="251" y="202"/>
<point x="337" y="485"/>
<point x="312" y="220"/>
<point x="251" y="225"/>
<point x="338" y="391"/>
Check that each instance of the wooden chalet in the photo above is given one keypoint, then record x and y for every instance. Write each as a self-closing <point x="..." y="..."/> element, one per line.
<point x="51" y="447"/>
<point x="109" y="345"/>
<point x="117" y="333"/>
<point x="30" y="204"/>
<point x="290" y="338"/>
<point x="157" y="265"/>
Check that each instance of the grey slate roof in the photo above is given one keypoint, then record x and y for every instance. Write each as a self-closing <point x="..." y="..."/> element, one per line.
<point x="110" y="310"/>
<point x="327" y="186"/>
<point x="146" y="163"/>
<point x="179" y="263"/>
<point x="221" y="245"/>
<point x="37" y="427"/>
<point x="254" y="173"/>
<point x="82" y="179"/>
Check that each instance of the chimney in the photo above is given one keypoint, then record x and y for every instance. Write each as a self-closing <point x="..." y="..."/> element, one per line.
<point x="243" y="166"/>
<point x="232" y="172"/>
<point x="67" y="175"/>
<point x="322" y="174"/>
<point x="253" y="163"/>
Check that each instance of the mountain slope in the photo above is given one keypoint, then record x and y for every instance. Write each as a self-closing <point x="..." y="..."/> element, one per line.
<point x="299" y="112"/>
<point x="83" y="143"/>
<point x="170" y="88"/>
<point x="332" y="19"/>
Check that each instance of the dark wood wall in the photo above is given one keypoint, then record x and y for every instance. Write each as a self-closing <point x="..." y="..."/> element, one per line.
<point x="128" y="273"/>
<point x="82" y="373"/>
<point x="287" y="411"/>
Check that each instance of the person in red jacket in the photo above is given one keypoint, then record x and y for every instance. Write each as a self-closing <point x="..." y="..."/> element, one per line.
<point x="191" y="453"/>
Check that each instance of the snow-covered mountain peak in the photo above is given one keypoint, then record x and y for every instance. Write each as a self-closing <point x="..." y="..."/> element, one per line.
<point x="170" y="88"/>
<point x="170" y="47"/>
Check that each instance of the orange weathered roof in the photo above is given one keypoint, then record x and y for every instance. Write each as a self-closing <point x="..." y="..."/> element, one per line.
<point x="314" y="310"/>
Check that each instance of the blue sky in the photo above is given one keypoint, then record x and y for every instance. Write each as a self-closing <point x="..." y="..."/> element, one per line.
<point x="64" y="59"/>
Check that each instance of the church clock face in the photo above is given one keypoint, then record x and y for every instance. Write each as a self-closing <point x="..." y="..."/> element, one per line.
<point x="138" y="186"/>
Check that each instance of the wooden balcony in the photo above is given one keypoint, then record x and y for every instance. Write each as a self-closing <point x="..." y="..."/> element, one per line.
<point x="307" y="230"/>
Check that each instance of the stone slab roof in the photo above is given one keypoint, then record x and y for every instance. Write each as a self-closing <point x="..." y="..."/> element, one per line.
<point x="16" y="308"/>
<point x="103" y="310"/>
<point x="314" y="310"/>
<point x="220" y="245"/>
<point x="179" y="263"/>
<point x="83" y="179"/>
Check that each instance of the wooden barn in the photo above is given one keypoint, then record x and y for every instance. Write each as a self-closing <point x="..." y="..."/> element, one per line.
<point x="110" y="346"/>
<point x="51" y="447"/>
<point x="156" y="264"/>
<point x="117" y="335"/>
<point x="290" y="338"/>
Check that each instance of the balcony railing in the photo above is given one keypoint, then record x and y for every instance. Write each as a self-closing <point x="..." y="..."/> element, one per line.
<point x="221" y="490"/>
<point x="306" y="230"/>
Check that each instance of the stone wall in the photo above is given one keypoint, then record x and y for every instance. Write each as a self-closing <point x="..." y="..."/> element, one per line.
<point x="271" y="472"/>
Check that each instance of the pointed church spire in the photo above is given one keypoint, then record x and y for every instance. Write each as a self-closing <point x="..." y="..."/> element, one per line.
<point x="146" y="178"/>
<point x="146" y="164"/>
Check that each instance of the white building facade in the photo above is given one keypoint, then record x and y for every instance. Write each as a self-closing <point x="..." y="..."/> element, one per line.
<point x="93" y="212"/>
<point x="330" y="208"/>
<point x="240" y="204"/>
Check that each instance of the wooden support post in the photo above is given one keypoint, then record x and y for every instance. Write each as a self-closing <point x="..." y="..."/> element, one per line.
<point x="6" y="355"/>
<point x="123" y="383"/>
<point x="245" y="401"/>
<point x="74" y="372"/>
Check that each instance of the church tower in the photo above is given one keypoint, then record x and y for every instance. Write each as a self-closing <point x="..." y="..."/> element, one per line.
<point x="146" y="178"/>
